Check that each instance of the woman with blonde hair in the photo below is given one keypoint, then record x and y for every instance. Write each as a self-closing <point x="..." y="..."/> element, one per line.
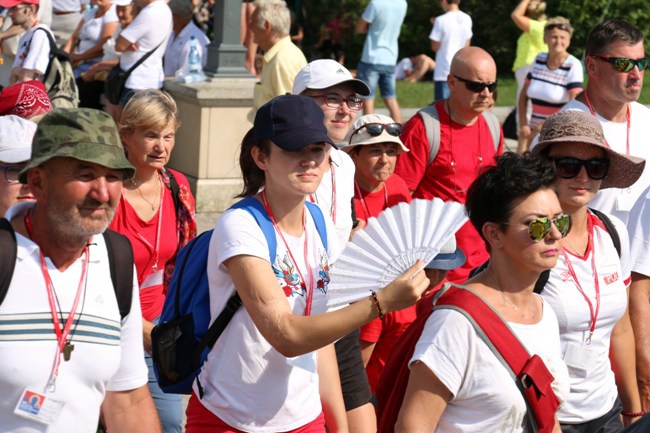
<point x="156" y="213"/>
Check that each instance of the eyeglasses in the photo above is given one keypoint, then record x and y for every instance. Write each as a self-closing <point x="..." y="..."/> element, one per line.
<point x="624" y="64"/>
<point x="335" y="101"/>
<point x="540" y="227"/>
<point x="478" y="86"/>
<point x="557" y="26"/>
<point x="568" y="167"/>
<point x="375" y="129"/>
<point x="11" y="172"/>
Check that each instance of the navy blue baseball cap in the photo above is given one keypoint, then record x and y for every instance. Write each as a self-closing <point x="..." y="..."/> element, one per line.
<point x="450" y="257"/>
<point x="291" y="122"/>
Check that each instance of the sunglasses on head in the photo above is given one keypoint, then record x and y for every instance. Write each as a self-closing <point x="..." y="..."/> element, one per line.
<point x="624" y="64"/>
<point x="539" y="228"/>
<point x="375" y="129"/>
<point x="568" y="167"/>
<point x="557" y="26"/>
<point x="478" y="86"/>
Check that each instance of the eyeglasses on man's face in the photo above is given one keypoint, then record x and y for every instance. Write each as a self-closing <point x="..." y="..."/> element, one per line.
<point x="478" y="86"/>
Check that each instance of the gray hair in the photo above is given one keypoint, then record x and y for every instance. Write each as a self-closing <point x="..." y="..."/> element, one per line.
<point x="181" y="8"/>
<point x="276" y="13"/>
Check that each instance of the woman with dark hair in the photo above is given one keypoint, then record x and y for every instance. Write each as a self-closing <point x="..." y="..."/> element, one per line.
<point x="156" y="213"/>
<point x="274" y="364"/>
<point x="456" y="380"/>
<point x="588" y="289"/>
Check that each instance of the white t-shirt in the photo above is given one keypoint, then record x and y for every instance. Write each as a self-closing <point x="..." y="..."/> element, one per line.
<point x="593" y="390"/>
<point x="152" y="26"/>
<point x="33" y="50"/>
<point x="485" y="397"/>
<point x="619" y="201"/>
<point x="247" y="383"/>
<point x="452" y="30"/>
<point x="638" y="227"/>
<point x="344" y="181"/>
<point x="107" y="353"/>
<point x="403" y="68"/>
<point x="91" y="32"/>
<point x="178" y="48"/>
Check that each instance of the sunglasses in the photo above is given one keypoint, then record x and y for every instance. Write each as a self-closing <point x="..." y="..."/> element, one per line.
<point x="568" y="167"/>
<point x="557" y="26"/>
<point x="539" y="228"/>
<point x="375" y="129"/>
<point x="336" y="101"/>
<point x="623" y="64"/>
<point x="478" y="86"/>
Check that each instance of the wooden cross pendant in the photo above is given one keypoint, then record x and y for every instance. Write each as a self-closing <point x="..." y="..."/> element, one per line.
<point x="67" y="351"/>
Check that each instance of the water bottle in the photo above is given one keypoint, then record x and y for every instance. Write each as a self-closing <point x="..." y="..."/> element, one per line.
<point x="194" y="58"/>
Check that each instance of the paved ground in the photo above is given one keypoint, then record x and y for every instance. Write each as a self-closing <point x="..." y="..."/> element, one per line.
<point x="207" y="220"/>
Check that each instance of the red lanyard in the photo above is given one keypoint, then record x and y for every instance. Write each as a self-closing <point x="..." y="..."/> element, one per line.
<point x="359" y="195"/>
<point x="156" y="247"/>
<point x="592" y="312"/>
<point x="63" y="347"/>
<point x="593" y="113"/>
<point x="310" y="290"/>
<point x="314" y="199"/>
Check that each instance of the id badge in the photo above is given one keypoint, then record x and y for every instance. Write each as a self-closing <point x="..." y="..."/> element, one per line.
<point x="38" y="407"/>
<point x="153" y="279"/>
<point x="580" y="357"/>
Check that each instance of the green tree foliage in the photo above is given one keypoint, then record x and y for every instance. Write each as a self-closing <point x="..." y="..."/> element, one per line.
<point x="493" y="29"/>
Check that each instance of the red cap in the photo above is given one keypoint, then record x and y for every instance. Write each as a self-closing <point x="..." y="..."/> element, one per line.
<point x="12" y="3"/>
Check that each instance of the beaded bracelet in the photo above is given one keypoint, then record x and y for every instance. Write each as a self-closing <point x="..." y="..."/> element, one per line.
<point x="633" y="414"/>
<point x="375" y="301"/>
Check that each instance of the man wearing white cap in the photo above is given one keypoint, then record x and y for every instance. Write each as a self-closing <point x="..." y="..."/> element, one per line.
<point x="15" y="150"/>
<point x="332" y="86"/>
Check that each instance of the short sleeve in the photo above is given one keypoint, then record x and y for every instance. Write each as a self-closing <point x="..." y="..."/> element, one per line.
<point x="412" y="165"/>
<point x="639" y="232"/>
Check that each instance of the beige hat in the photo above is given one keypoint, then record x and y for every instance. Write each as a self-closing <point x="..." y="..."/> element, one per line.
<point x="359" y="134"/>
<point x="574" y="126"/>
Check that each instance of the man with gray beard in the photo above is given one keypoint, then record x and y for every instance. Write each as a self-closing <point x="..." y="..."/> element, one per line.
<point x="69" y="343"/>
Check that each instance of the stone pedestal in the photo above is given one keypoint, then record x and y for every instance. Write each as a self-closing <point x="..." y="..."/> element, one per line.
<point x="213" y="123"/>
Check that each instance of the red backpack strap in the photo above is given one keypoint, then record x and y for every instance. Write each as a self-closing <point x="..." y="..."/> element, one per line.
<point x="530" y="373"/>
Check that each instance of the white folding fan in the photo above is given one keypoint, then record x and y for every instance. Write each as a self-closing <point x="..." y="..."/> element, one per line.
<point x="390" y="244"/>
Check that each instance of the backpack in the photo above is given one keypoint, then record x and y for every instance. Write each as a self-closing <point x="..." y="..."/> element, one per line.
<point x="59" y="77"/>
<point x="120" y="260"/>
<point x="530" y="374"/>
<point x="182" y="339"/>
<point x="431" y="122"/>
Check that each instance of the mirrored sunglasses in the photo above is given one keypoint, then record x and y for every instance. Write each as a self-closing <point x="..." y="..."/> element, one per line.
<point x="375" y="129"/>
<point x="624" y="64"/>
<point x="568" y="167"/>
<point x="478" y="86"/>
<point x="539" y="228"/>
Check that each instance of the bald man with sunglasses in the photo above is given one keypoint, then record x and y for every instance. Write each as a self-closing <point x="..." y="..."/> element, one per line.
<point x="466" y="145"/>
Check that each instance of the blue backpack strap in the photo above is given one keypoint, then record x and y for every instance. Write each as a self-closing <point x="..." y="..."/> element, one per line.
<point x="256" y="208"/>
<point x="319" y="222"/>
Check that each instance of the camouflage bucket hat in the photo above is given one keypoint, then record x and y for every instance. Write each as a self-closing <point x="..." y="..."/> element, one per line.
<point x="81" y="133"/>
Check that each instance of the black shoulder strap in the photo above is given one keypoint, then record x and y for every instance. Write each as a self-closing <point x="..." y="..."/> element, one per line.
<point x="609" y="226"/>
<point x="120" y="260"/>
<point x="142" y="59"/>
<point x="7" y="256"/>
<point x="173" y="185"/>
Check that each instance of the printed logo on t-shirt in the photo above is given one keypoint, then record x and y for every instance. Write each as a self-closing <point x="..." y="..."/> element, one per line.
<point x="566" y="276"/>
<point x="290" y="279"/>
<point x="610" y="278"/>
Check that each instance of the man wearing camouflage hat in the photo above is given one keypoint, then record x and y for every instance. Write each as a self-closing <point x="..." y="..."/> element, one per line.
<point x="70" y="323"/>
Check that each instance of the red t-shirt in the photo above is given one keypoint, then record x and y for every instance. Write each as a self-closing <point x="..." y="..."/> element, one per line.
<point x="470" y="149"/>
<point x="383" y="332"/>
<point x="142" y="235"/>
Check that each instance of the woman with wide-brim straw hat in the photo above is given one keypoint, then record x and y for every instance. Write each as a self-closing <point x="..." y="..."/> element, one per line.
<point x="588" y="286"/>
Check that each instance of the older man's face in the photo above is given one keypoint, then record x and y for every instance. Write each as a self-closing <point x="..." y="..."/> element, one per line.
<point x="615" y="86"/>
<point x="483" y="71"/>
<point x="79" y="197"/>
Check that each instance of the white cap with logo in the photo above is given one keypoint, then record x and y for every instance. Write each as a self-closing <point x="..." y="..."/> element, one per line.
<point x="324" y="73"/>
